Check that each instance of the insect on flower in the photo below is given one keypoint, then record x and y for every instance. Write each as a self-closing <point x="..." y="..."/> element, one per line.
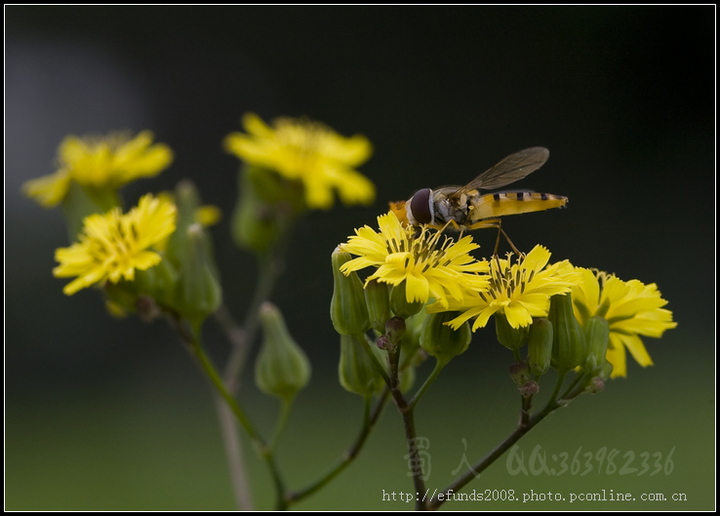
<point x="468" y="207"/>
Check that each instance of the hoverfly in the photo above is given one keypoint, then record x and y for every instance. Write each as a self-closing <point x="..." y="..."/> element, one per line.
<point x="468" y="207"/>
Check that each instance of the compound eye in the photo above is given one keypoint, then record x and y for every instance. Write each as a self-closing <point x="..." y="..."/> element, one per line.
<point x="420" y="206"/>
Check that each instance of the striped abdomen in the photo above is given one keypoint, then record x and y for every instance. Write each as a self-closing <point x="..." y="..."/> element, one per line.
<point x="500" y="204"/>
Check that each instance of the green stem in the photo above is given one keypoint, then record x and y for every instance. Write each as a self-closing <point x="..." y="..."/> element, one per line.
<point x="241" y="339"/>
<point x="552" y="405"/>
<point x="286" y="404"/>
<point x="196" y="349"/>
<point x="428" y="382"/>
<point x="407" y="413"/>
<point x="369" y="420"/>
<point x="209" y="369"/>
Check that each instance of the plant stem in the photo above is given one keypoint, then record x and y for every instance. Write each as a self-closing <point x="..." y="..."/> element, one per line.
<point x="553" y="404"/>
<point x="428" y="382"/>
<point x="192" y="340"/>
<point x="369" y="420"/>
<point x="407" y="413"/>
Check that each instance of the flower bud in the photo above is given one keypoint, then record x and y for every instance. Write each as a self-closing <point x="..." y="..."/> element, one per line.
<point x="595" y="386"/>
<point x="187" y="200"/>
<point x="356" y="370"/>
<point x="511" y="338"/>
<point x="440" y="340"/>
<point x="531" y="388"/>
<point x="282" y="368"/>
<point x="378" y="304"/>
<point x="569" y="346"/>
<point x="348" y="310"/>
<point x="266" y="206"/>
<point x="597" y="334"/>
<point x="540" y="342"/>
<point x="520" y="373"/>
<point x="395" y="329"/>
<point x="198" y="293"/>
<point x="159" y="282"/>
<point x="399" y="304"/>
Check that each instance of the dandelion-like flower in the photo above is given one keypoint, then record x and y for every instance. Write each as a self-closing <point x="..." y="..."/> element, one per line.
<point x="113" y="245"/>
<point x="631" y="309"/>
<point x="100" y="163"/>
<point x="308" y="152"/>
<point x="428" y="267"/>
<point x="520" y="289"/>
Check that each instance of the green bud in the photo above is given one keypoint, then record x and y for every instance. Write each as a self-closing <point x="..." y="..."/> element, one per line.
<point x="378" y="304"/>
<point x="597" y="334"/>
<point x="348" y="310"/>
<point x="187" y="201"/>
<point x="540" y="342"/>
<point x="595" y="386"/>
<point x="159" y="282"/>
<point x="282" y="369"/>
<point x="395" y="329"/>
<point x="81" y="202"/>
<point x="399" y="304"/>
<point x="569" y="346"/>
<point x="520" y="373"/>
<point x="511" y="338"/>
<point x="440" y="340"/>
<point x="606" y="370"/>
<point x="267" y="205"/>
<point x="356" y="370"/>
<point x="411" y="341"/>
<point x="198" y="293"/>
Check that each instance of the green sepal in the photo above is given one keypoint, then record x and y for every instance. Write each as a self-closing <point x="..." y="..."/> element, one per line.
<point x="440" y="340"/>
<point x="348" y="310"/>
<point x="377" y="299"/>
<point x="282" y="368"/>
<point x="511" y="338"/>
<point x="540" y="341"/>
<point x="597" y="334"/>
<point x="569" y="345"/>
<point x="198" y="293"/>
<point x="356" y="371"/>
<point x="399" y="305"/>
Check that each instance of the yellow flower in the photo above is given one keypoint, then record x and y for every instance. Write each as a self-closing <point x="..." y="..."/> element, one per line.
<point x="100" y="163"/>
<point x="631" y="308"/>
<point x="427" y="267"/>
<point x="308" y="152"/>
<point x="521" y="290"/>
<point x="113" y="245"/>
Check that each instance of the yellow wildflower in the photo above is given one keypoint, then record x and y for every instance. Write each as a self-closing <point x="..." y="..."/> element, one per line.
<point x="521" y="290"/>
<point x="631" y="308"/>
<point x="113" y="245"/>
<point x="100" y="163"/>
<point x="308" y="152"/>
<point x="427" y="267"/>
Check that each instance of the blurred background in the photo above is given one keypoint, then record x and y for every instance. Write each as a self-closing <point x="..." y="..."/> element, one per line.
<point x="107" y="414"/>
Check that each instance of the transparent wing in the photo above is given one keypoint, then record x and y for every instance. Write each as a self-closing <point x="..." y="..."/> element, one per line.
<point x="511" y="169"/>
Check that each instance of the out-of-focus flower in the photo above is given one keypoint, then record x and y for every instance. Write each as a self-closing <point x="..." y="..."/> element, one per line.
<point x="100" y="163"/>
<point x="308" y="152"/>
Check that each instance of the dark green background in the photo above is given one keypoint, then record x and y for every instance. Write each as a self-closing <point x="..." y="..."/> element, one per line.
<point x="113" y="414"/>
